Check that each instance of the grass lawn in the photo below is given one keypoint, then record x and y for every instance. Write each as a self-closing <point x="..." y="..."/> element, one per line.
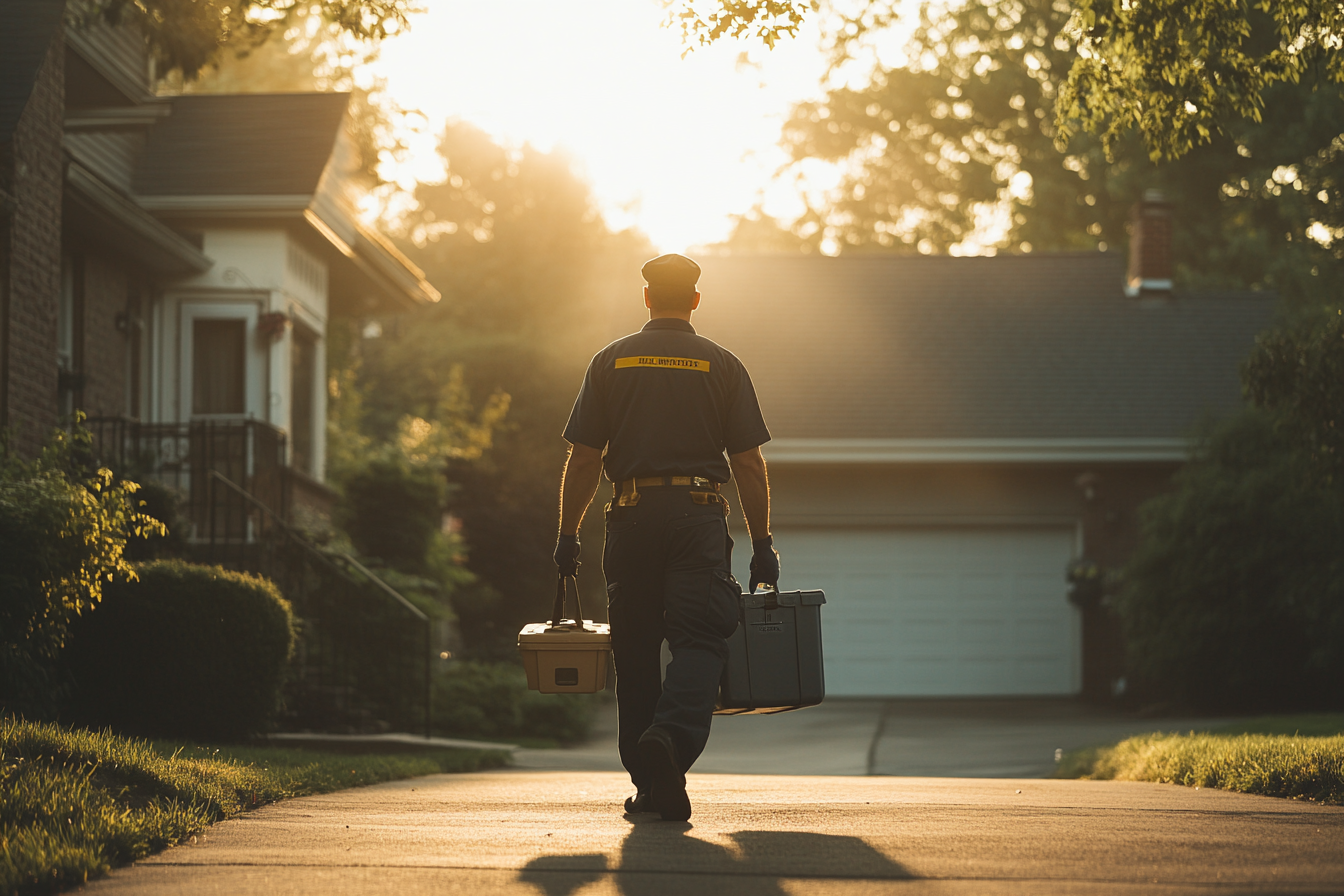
<point x="1300" y="757"/>
<point x="75" y="803"/>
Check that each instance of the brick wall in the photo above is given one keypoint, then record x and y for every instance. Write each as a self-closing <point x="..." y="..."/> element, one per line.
<point x="103" y="353"/>
<point x="34" y="258"/>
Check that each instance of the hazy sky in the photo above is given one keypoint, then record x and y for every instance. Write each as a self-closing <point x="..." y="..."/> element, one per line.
<point x="670" y="145"/>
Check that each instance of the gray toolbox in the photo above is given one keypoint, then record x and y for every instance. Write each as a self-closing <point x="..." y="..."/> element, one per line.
<point x="774" y="657"/>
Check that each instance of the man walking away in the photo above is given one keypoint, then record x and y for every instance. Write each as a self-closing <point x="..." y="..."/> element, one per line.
<point x="666" y="405"/>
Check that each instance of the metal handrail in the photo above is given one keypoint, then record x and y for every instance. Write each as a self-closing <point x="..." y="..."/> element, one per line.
<point x="328" y="562"/>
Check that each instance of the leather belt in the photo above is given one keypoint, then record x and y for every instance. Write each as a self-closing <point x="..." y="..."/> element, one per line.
<point x="706" y="491"/>
<point x="634" y="485"/>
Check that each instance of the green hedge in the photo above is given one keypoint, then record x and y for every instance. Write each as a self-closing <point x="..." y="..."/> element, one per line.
<point x="1234" y="600"/>
<point x="474" y="699"/>
<point x="186" y="651"/>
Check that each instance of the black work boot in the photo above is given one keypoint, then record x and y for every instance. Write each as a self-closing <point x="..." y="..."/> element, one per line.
<point x="667" y="794"/>
<point x="638" y="803"/>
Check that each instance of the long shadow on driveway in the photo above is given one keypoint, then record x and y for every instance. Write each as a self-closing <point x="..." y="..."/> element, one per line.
<point x="660" y="858"/>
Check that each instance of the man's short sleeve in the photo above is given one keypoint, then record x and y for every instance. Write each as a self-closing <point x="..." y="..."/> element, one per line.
<point x="744" y="428"/>
<point x="588" y="423"/>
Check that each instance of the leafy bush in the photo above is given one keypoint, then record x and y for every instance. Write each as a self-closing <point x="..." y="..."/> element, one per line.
<point x="164" y="504"/>
<point x="65" y="532"/>
<point x="474" y="699"/>
<point x="1297" y="372"/>
<point x="187" y="651"/>
<point x="1235" y="597"/>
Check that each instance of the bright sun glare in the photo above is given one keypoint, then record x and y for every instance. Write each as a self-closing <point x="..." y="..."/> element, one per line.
<point x="672" y="146"/>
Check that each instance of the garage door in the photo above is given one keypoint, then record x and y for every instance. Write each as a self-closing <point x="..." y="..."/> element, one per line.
<point x="950" y="612"/>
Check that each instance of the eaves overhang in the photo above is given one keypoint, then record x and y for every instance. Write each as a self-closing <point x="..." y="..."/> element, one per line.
<point x="977" y="451"/>
<point x="384" y="269"/>
<point x="117" y="221"/>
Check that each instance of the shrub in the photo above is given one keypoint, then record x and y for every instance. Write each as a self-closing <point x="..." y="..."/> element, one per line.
<point x="65" y="532"/>
<point x="474" y="699"/>
<point x="187" y="651"/>
<point x="1235" y="598"/>
<point x="392" y="510"/>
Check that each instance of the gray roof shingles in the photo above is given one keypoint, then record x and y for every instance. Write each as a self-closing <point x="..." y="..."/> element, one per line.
<point x="241" y="144"/>
<point x="1008" y="347"/>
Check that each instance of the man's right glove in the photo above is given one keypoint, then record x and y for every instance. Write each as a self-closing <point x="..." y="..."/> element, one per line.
<point x="567" y="555"/>
<point x="764" y="563"/>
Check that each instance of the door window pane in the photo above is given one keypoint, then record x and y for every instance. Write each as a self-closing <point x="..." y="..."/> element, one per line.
<point x="218" y="374"/>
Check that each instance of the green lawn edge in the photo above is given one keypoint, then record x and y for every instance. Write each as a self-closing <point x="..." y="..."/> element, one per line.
<point x="1254" y="756"/>
<point x="76" y="803"/>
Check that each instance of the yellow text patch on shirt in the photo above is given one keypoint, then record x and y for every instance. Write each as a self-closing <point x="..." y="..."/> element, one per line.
<point x="668" y="363"/>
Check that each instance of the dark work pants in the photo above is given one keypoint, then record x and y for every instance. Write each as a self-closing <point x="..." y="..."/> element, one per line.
<point x="667" y="562"/>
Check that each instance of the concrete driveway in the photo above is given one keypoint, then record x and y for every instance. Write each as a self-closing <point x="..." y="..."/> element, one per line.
<point x="937" y="738"/>
<point x="561" y="833"/>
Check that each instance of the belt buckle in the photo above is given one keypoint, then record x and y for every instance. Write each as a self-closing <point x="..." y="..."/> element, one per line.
<point x="700" y="482"/>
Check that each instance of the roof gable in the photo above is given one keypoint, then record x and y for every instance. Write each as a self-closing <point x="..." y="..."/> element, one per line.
<point x="1009" y="347"/>
<point x="242" y="145"/>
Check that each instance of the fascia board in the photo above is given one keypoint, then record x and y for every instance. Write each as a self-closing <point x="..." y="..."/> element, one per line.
<point x="973" y="451"/>
<point x="117" y="118"/>
<point x="228" y="206"/>
<point x="381" y="269"/>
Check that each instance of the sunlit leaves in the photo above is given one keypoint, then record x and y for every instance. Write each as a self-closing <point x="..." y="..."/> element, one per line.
<point x="1179" y="71"/>
<point x="455" y="430"/>
<point x="64" y="530"/>
<point x="705" y="21"/>
<point x="1176" y="71"/>
<point x="186" y="35"/>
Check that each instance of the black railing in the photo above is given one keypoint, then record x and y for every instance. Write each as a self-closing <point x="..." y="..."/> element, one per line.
<point x="362" y="662"/>
<point x="182" y="456"/>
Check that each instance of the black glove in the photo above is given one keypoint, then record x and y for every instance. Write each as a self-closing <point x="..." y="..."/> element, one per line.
<point x="567" y="554"/>
<point x="764" y="563"/>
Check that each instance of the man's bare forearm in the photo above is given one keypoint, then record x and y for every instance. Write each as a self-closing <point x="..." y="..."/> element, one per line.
<point x="578" y="485"/>
<point x="753" y="490"/>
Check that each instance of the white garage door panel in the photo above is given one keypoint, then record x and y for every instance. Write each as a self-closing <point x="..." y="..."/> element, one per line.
<point x="952" y="612"/>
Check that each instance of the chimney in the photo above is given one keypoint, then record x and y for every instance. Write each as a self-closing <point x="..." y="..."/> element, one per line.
<point x="1150" y="265"/>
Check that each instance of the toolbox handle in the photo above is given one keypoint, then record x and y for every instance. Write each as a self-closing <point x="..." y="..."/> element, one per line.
<point x="558" y="611"/>
<point x="771" y="594"/>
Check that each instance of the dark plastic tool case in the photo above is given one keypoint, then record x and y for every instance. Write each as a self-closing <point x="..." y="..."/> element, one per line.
<point x="774" y="657"/>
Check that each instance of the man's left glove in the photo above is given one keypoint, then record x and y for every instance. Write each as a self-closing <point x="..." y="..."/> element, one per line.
<point x="567" y="555"/>
<point x="764" y="563"/>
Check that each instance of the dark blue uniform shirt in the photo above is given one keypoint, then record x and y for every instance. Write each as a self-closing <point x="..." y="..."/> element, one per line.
<point x="667" y="402"/>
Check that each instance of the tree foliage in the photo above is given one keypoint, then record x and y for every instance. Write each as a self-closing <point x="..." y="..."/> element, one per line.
<point x="1179" y="72"/>
<point x="1234" y="600"/>
<point x="529" y="272"/>
<point x="64" y="529"/>
<point x="1296" y="372"/>
<point x="704" y="21"/>
<point x="963" y="131"/>
<point x="185" y="36"/>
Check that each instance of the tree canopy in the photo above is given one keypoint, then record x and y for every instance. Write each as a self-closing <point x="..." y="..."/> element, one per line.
<point x="1179" y="72"/>
<point x="933" y="148"/>
<point x="185" y="36"/>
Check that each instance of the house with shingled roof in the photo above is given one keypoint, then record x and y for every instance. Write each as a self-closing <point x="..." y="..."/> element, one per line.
<point x="170" y="265"/>
<point x="950" y="435"/>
